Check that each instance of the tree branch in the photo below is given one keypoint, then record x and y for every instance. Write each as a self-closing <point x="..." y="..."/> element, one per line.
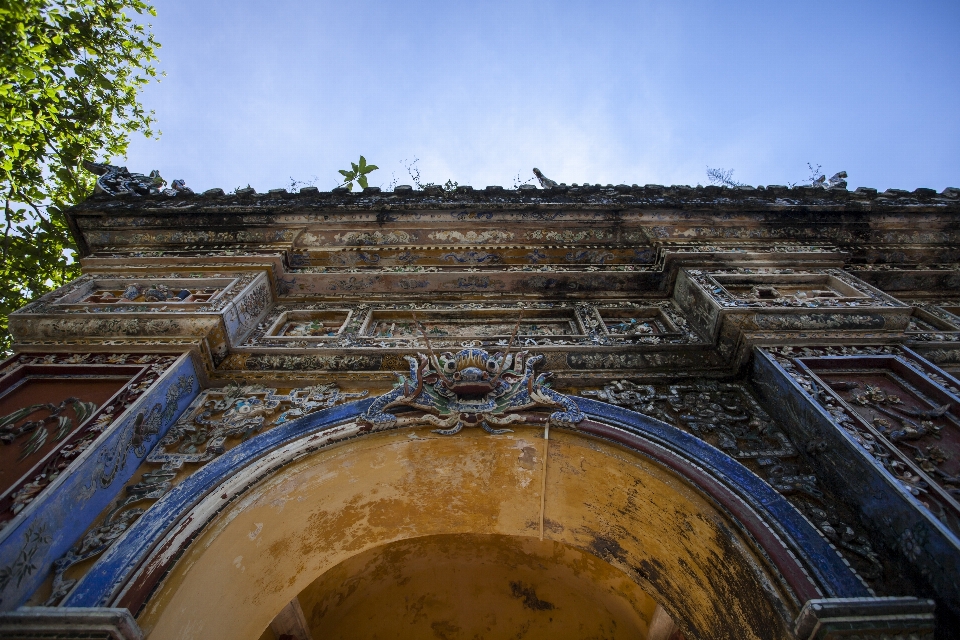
<point x="36" y="210"/>
<point x="6" y="233"/>
<point x="56" y="152"/>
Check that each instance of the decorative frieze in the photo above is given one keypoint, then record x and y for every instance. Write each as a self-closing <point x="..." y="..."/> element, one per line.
<point x="45" y="438"/>
<point x="145" y="293"/>
<point x="742" y="306"/>
<point x="454" y="325"/>
<point x="75" y="480"/>
<point x="212" y="310"/>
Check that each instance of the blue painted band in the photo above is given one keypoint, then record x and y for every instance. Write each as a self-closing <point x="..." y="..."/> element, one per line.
<point x="103" y="582"/>
<point x="99" y="586"/>
<point x="816" y="554"/>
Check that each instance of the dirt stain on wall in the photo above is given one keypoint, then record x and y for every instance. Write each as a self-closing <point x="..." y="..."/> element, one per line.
<point x="469" y="586"/>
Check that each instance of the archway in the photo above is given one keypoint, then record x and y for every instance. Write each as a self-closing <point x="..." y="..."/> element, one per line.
<point x="326" y="507"/>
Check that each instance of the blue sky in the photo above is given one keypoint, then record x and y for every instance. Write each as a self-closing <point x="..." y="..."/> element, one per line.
<point x="596" y="92"/>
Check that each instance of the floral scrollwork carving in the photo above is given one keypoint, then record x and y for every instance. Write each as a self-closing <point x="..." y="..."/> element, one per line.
<point x="144" y="426"/>
<point x="215" y="420"/>
<point x="25" y="565"/>
<point x="238" y="412"/>
<point x="89" y="427"/>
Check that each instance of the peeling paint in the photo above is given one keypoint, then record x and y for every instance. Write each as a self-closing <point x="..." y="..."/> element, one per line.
<point x="602" y="499"/>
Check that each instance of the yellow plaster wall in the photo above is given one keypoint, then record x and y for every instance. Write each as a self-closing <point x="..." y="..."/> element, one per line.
<point x="337" y="503"/>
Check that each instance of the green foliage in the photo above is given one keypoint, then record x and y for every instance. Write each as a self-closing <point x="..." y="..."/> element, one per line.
<point x="70" y="71"/>
<point x="358" y="174"/>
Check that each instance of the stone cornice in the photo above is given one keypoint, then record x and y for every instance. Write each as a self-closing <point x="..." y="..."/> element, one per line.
<point x="710" y="198"/>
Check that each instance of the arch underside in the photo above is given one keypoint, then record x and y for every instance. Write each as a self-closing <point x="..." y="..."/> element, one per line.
<point x="315" y="510"/>
<point x="470" y="586"/>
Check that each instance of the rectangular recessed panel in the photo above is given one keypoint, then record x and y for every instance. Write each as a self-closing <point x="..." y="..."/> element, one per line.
<point x="310" y="324"/>
<point x="636" y="322"/>
<point x="170" y="291"/>
<point x="775" y="286"/>
<point x="45" y="404"/>
<point x="471" y="324"/>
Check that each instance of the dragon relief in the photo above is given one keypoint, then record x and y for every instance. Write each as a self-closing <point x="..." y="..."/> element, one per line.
<point x="115" y="181"/>
<point x="472" y="388"/>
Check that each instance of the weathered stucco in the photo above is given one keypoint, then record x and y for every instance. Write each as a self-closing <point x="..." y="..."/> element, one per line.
<point x="467" y="586"/>
<point x="347" y="500"/>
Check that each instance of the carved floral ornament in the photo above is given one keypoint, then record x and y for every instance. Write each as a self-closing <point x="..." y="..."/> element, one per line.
<point x="900" y="410"/>
<point x="40" y="428"/>
<point x="788" y="287"/>
<point x="149" y="293"/>
<point x="33" y="426"/>
<point x="482" y="324"/>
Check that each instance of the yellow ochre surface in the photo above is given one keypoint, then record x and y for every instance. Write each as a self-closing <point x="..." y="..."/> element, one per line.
<point x="457" y="517"/>
<point x="466" y="586"/>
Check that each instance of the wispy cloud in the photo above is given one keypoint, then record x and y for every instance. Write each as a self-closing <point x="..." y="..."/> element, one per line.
<point x="621" y="92"/>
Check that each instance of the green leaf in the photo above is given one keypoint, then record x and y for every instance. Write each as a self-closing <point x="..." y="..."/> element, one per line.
<point x="84" y="410"/>
<point x="362" y="180"/>
<point x="371" y="167"/>
<point x="63" y="427"/>
<point x="37" y="439"/>
<point x="19" y="414"/>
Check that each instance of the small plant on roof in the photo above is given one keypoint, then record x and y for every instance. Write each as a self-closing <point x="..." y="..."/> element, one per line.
<point x="414" y="171"/>
<point x="722" y="177"/>
<point x="358" y="174"/>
